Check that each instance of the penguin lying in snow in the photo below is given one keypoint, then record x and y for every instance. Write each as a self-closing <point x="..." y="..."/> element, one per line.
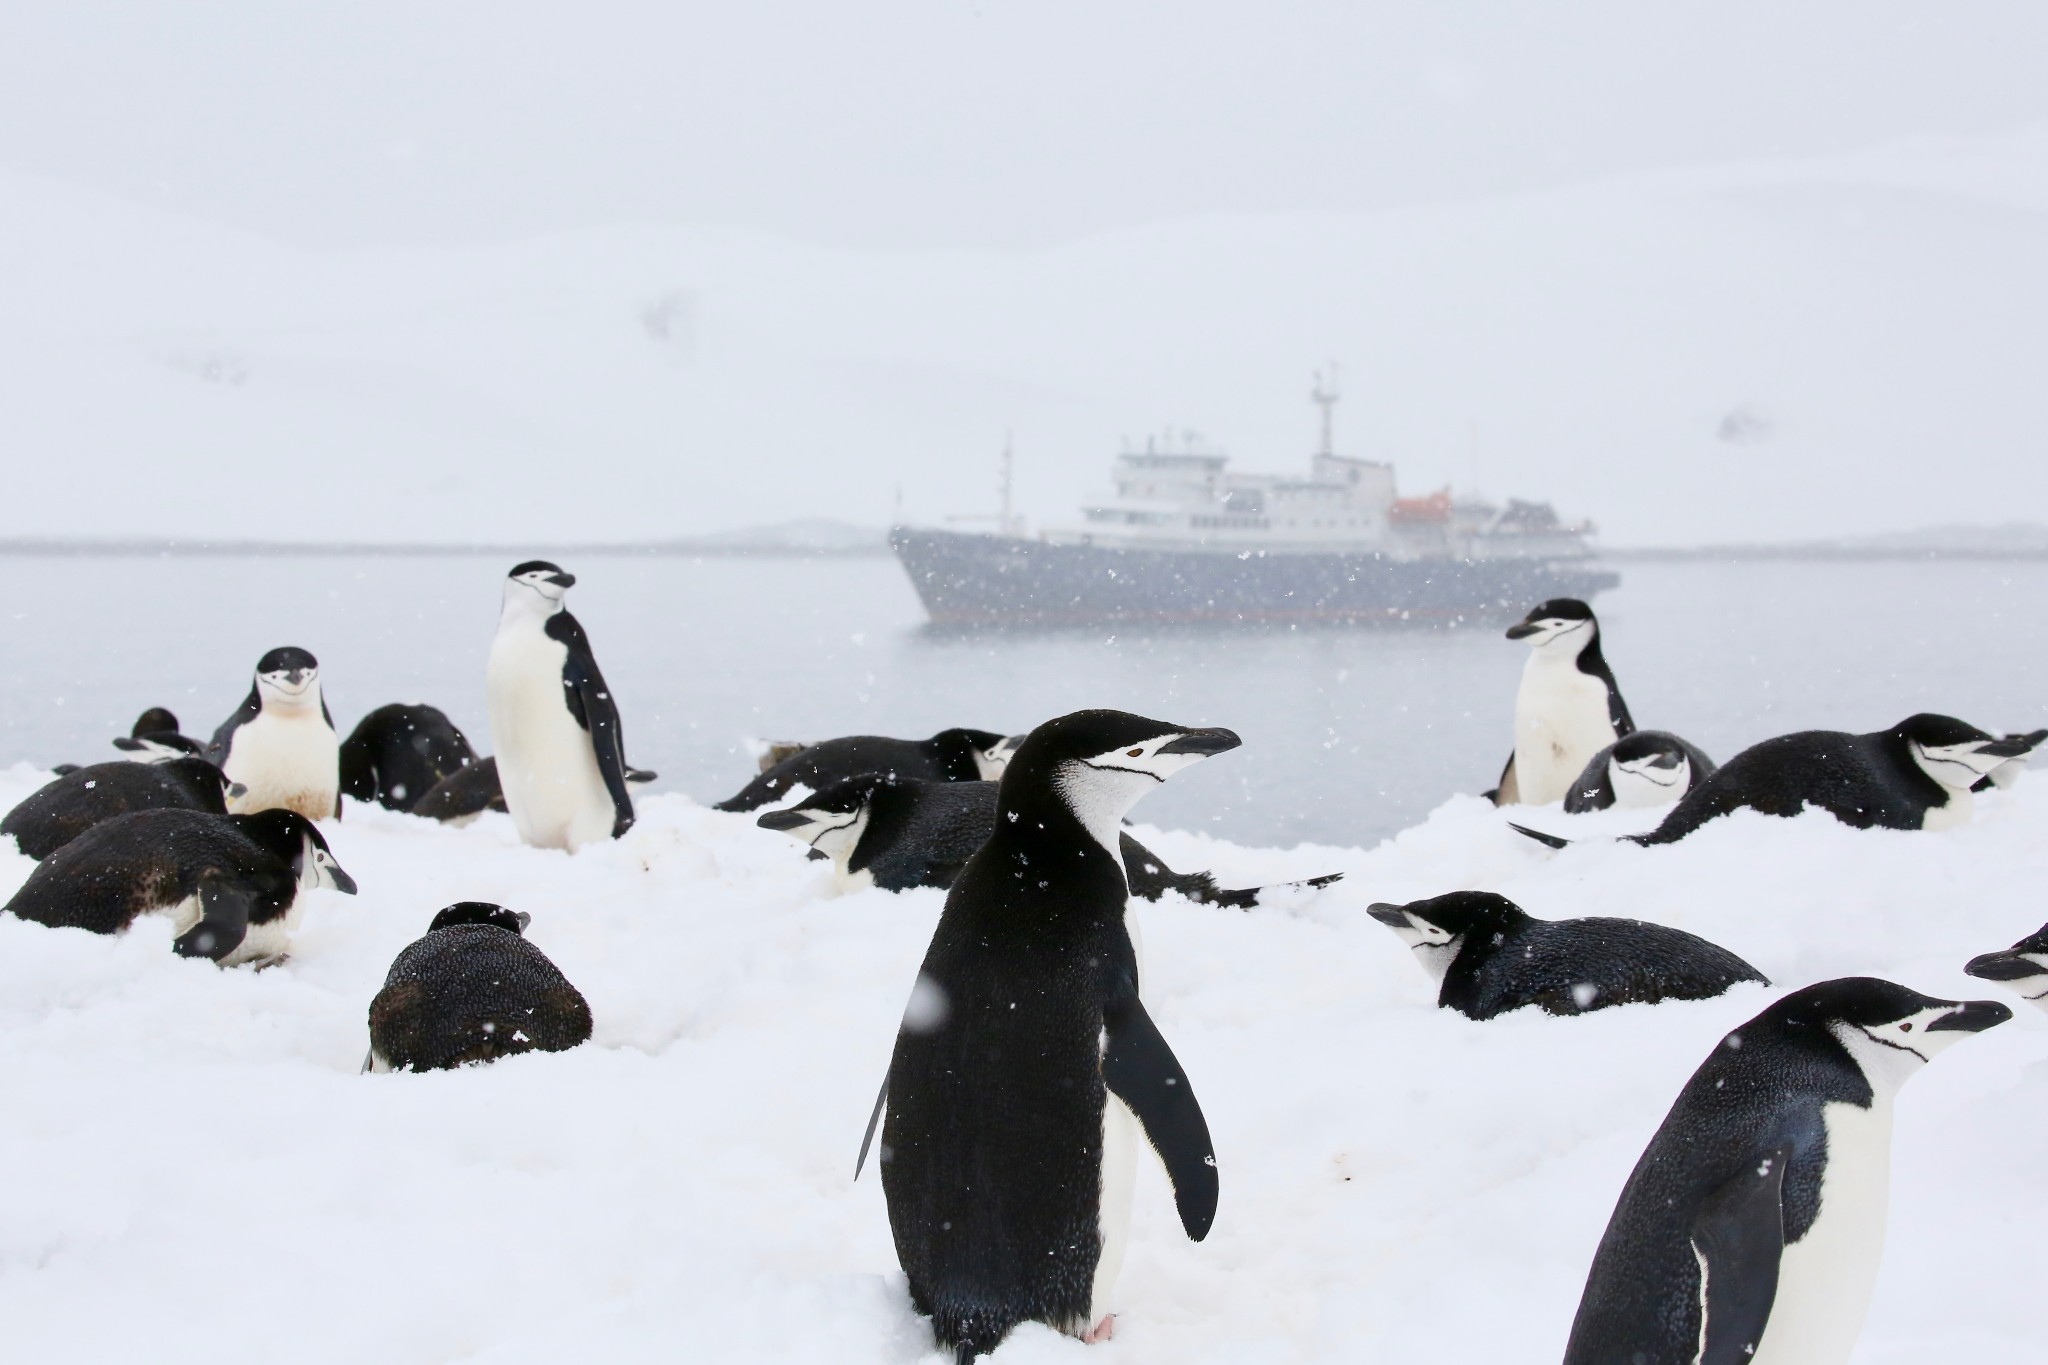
<point x="62" y="810"/>
<point x="280" y="743"/>
<point x="1492" y="957"/>
<point x="398" y="753"/>
<point x="155" y="737"/>
<point x="472" y="990"/>
<point x="1752" y="1228"/>
<point x="1647" y="768"/>
<point x="1916" y="775"/>
<point x="901" y="834"/>
<point x="1567" y="709"/>
<point x="948" y="756"/>
<point x="2024" y="966"/>
<point x="468" y="792"/>
<point x="233" y="885"/>
<point x="1026" y="1068"/>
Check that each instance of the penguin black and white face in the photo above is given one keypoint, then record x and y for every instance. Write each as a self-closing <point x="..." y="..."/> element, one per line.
<point x="156" y="748"/>
<point x="1653" y="779"/>
<point x="2022" y="967"/>
<point x="317" y="869"/>
<point x="1889" y="1030"/>
<point x="1563" y="623"/>
<point x="1956" y="754"/>
<point x="1101" y="763"/>
<point x="1435" y="946"/>
<point x="992" y="760"/>
<point x="539" y="585"/>
<point x="1438" y="928"/>
<point x="288" y="679"/>
<point x="830" y="821"/>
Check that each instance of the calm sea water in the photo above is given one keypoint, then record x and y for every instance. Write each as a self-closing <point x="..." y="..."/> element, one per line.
<point x="1349" y="734"/>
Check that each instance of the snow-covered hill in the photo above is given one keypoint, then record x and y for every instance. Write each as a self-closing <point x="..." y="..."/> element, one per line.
<point x="1753" y="353"/>
<point x="198" y="1173"/>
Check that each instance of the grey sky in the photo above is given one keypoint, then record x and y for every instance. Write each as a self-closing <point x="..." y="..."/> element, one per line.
<point x="381" y="270"/>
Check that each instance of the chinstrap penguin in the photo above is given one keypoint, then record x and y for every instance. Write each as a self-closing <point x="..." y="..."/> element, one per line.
<point x="1644" y="769"/>
<point x="280" y="745"/>
<point x="473" y="990"/>
<point x="1492" y="957"/>
<point x="554" y="722"/>
<point x="1568" y="707"/>
<point x="1752" y="1227"/>
<point x="2023" y="967"/>
<point x="897" y="835"/>
<point x="398" y="753"/>
<point x="59" y="812"/>
<point x="233" y="885"/>
<point x="155" y="737"/>
<point x="1026" y="1066"/>
<point x="1916" y="775"/>
<point x="468" y="792"/>
<point x="956" y="755"/>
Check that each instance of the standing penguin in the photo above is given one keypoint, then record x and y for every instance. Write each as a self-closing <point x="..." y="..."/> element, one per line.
<point x="1026" y="1064"/>
<point x="280" y="745"/>
<point x="1752" y="1228"/>
<point x="555" y="727"/>
<point x="1568" y="707"/>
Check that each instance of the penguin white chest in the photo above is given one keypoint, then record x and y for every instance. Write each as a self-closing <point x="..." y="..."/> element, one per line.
<point x="546" y="765"/>
<point x="1825" y="1278"/>
<point x="1561" y="721"/>
<point x="288" y="760"/>
<point x="1960" y="807"/>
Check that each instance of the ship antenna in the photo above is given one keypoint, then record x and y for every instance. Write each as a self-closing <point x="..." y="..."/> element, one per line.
<point x="1009" y="466"/>
<point x="1325" y="397"/>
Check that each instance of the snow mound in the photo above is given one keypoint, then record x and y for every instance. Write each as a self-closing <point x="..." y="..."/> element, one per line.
<point x="199" y="1173"/>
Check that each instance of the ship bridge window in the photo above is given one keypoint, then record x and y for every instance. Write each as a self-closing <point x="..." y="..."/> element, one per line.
<point x="1245" y="501"/>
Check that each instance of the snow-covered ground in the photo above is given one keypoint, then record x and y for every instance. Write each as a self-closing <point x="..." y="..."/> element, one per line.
<point x="197" y="1172"/>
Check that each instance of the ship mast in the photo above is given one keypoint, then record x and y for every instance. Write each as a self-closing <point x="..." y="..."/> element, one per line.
<point x="1324" y="396"/>
<point x="1008" y="523"/>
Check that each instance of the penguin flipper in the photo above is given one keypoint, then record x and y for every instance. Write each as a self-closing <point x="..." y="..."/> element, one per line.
<point x="223" y="921"/>
<point x="1739" y="1238"/>
<point x="1507" y="792"/>
<point x="1141" y="1070"/>
<point x="590" y="701"/>
<point x="1550" y="840"/>
<point x="869" y="1136"/>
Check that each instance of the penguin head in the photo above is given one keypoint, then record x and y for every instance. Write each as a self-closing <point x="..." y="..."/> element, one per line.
<point x="1438" y="928"/>
<point x="991" y="759"/>
<point x="159" y="747"/>
<point x="288" y="678"/>
<point x="1100" y="763"/>
<point x="2023" y="967"/>
<point x="481" y="912"/>
<point x="830" y="821"/>
<point x="1648" y="768"/>
<point x="155" y="721"/>
<point x="1955" y="753"/>
<point x="1562" y="622"/>
<point x="292" y="838"/>
<point x="538" y="585"/>
<point x="1889" y="1030"/>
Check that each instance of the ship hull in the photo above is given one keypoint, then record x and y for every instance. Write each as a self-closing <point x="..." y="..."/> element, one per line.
<point x="967" y="580"/>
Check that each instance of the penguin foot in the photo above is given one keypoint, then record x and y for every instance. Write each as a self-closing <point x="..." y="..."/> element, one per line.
<point x="1101" y="1331"/>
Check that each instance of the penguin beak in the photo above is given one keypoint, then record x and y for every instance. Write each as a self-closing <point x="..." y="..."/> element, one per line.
<point x="562" y="580"/>
<point x="343" y="883"/>
<point x="2012" y="746"/>
<point x="1393" y="916"/>
<point x="1972" y="1016"/>
<point x="783" y="820"/>
<point x="1522" y="630"/>
<point x="236" y="791"/>
<point x="523" y="918"/>
<point x="2005" y="965"/>
<point x="1202" y="743"/>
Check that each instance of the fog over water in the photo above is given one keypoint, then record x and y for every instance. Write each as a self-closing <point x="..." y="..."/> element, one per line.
<point x="1350" y="734"/>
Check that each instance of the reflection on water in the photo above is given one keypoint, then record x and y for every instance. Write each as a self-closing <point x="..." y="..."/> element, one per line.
<point x="1349" y="734"/>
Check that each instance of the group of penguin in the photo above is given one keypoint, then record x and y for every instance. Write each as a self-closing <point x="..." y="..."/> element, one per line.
<point x="1749" y="1231"/>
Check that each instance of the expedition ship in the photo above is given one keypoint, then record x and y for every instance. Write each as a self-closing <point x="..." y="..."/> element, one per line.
<point x="1186" y="539"/>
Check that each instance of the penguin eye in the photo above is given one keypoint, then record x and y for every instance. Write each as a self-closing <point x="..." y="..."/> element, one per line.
<point x="1906" y="1027"/>
<point x="1135" y="753"/>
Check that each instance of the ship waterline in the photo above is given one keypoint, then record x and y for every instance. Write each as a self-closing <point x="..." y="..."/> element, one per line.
<point x="984" y="580"/>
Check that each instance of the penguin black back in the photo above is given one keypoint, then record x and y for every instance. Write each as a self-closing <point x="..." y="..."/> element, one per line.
<point x="463" y="794"/>
<point x="1493" y="957"/>
<point x="957" y="755"/>
<point x="399" y="753"/>
<point x="59" y="812"/>
<point x="999" y="1088"/>
<point x="473" y="990"/>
